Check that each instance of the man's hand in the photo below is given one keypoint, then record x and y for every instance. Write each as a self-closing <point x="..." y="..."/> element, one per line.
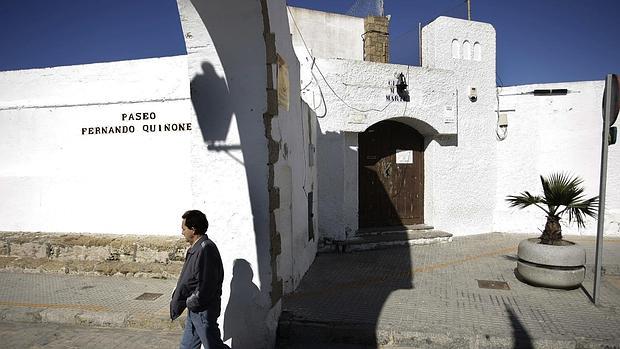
<point x="192" y="301"/>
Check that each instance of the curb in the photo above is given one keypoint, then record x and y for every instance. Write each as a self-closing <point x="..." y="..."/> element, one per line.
<point x="90" y="318"/>
<point x="306" y="334"/>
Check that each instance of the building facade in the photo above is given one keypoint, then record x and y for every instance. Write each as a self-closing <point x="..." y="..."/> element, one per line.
<point x="445" y="149"/>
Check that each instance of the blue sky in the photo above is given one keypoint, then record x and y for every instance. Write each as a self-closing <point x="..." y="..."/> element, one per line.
<point x="48" y="33"/>
<point x="537" y="40"/>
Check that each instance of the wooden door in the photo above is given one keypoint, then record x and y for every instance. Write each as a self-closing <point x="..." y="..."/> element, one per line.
<point x="391" y="175"/>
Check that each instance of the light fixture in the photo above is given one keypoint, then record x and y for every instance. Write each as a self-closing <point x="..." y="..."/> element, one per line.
<point x="401" y="88"/>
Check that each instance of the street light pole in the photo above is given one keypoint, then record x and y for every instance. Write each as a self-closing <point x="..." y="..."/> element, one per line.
<point x="598" y="263"/>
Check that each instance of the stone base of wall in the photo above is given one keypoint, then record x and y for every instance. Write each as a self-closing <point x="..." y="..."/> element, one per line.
<point x="96" y="254"/>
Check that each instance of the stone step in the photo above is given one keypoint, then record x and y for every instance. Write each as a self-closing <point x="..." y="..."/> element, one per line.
<point x="373" y="239"/>
<point x="396" y="238"/>
<point x="393" y="229"/>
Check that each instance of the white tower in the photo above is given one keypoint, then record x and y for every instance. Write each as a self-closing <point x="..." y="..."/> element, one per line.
<point x="468" y="49"/>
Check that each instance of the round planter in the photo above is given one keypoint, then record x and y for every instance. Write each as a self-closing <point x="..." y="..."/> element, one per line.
<point x="551" y="265"/>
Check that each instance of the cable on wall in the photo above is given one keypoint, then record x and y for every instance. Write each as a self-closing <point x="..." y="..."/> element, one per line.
<point x="500" y="131"/>
<point x="314" y="64"/>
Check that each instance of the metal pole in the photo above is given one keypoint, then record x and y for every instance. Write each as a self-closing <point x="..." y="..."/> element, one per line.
<point x="469" y="10"/>
<point x="420" y="43"/>
<point x="598" y="263"/>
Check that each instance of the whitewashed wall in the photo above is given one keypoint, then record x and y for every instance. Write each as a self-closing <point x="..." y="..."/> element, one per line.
<point x="57" y="177"/>
<point x="230" y="175"/>
<point x="295" y="171"/>
<point x="549" y="134"/>
<point x="229" y="154"/>
<point x="328" y="35"/>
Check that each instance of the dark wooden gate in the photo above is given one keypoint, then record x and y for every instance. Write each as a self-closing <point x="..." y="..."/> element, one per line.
<point x="391" y="175"/>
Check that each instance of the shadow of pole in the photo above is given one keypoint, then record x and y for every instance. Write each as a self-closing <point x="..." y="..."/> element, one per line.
<point x="522" y="339"/>
<point x="587" y="293"/>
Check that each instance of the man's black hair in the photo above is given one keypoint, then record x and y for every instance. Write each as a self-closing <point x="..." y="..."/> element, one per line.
<point x="196" y="220"/>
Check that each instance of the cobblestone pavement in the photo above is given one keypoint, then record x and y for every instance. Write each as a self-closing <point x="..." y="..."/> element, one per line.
<point x="402" y="293"/>
<point x="57" y="336"/>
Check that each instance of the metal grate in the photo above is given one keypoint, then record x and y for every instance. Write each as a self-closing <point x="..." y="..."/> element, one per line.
<point x="493" y="284"/>
<point x="148" y="296"/>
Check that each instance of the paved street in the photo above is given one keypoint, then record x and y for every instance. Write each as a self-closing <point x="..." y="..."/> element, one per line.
<point x="432" y="296"/>
<point x="57" y="336"/>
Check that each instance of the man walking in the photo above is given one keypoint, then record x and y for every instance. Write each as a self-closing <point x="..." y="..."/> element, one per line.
<point x="200" y="286"/>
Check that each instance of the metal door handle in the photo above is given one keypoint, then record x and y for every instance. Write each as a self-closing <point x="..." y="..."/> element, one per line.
<point x="387" y="170"/>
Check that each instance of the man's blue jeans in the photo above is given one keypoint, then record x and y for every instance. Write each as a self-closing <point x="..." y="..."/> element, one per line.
<point x="201" y="328"/>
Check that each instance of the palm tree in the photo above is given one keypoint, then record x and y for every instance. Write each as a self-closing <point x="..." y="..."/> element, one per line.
<point x="562" y="193"/>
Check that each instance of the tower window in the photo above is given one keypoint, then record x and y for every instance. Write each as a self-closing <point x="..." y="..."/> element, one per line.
<point x="477" y="51"/>
<point x="466" y="50"/>
<point x="456" y="49"/>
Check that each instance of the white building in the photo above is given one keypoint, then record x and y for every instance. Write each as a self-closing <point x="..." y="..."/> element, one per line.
<point x="127" y="147"/>
<point x="449" y="156"/>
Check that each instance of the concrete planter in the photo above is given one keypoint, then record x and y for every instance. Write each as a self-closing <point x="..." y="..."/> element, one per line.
<point x="550" y="265"/>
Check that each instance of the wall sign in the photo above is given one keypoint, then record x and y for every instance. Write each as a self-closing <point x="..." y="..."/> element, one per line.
<point x="146" y="124"/>
<point x="404" y="156"/>
<point x="449" y="115"/>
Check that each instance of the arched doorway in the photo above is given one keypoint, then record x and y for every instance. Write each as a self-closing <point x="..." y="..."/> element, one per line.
<point x="391" y="175"/>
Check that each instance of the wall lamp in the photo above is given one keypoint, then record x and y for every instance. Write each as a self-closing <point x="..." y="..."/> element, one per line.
<point x="401" y="87"/>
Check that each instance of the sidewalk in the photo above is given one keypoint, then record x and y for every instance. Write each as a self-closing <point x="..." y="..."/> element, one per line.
<point x="108" y="301"/>
<point x="436" y="297"/>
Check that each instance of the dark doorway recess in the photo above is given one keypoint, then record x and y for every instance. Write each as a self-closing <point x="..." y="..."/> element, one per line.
<point x="391" y="175"/>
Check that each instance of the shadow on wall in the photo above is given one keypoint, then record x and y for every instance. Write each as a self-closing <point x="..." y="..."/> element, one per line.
<point x="210" y="98"/>
<point x="236" y="28"/>
<point x="214" y="110"/>
<point x="246" y="314"/>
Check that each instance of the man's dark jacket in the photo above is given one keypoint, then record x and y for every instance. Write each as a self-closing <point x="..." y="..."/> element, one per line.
<point x="200" y="284"/>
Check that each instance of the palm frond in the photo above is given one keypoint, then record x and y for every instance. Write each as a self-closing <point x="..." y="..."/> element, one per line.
<point x="524" y="200"/>
<point x="560" y="190"/>
<point x="579" y="210"/>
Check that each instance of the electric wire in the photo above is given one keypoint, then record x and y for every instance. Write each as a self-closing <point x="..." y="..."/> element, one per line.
<point x="343" y="101"/>
<point x="500" y="132"/>
<point x="437" y="14"/>
<point x="406" y="102"/>
<point x="314" y="64"/>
